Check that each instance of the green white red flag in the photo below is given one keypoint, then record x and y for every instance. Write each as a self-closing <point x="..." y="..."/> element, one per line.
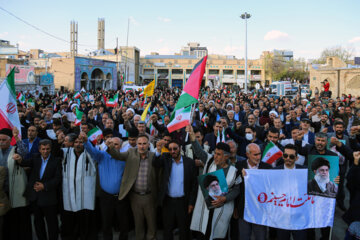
<point x="78" y="118"/>
<point x="77" y="95"/>
<point x="271" y="153"/>
<point x="9" y="116"/>
<point x="65" y="97"/>
<point x="180" y="118"/>
<point x="113" y="102"/>
<point x="21" y="98"/>
<point x="93" y="134"/>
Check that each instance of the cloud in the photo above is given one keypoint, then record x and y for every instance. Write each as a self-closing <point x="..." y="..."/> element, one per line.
<point x="165" y="20"/>
<point x="354" y="40"/>
<point x="133" y="21"/>
<point x="3" y="34"/>
<point x="276" y="35"/>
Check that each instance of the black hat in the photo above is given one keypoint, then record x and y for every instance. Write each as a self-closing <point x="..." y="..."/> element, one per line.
<point x="6" y="131"/>
<point x="223" y="146"/>
<point x="319" y="162"/>
<point x="304" y="119"/>
<point x="133" y="133"/>
<point x="107" y="131"/>
<point x="209" y="179"/>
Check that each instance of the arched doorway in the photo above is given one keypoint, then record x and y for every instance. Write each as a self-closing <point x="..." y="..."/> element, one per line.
<point x="84" y="80"/>
<point x="97" y="76"/>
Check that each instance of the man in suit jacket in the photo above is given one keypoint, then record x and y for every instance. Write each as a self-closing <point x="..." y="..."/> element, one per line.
<point x="177" y="191"/>
<point x="253" y="161"/>
<point x="42" y="189"/>
<point x="139" y="181"/>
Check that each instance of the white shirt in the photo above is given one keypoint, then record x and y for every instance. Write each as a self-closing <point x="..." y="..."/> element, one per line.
<point x="286" y="168"/>
<point x="250" y="167"/>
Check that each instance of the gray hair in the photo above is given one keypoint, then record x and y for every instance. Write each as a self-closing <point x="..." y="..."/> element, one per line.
<point x="232" y="141"/>
<point x="250" y="145"/>
<point x="321" y="135"/>
<point x="137" y="115"/>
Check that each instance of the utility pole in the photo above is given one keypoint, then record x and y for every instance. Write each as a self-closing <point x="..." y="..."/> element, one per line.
<point x="246" y="16"/>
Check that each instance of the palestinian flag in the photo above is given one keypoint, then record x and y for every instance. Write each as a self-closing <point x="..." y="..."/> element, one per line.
<point x="113" y="102"/>
<point x="271" y="153"/>
<point x="65" y="97"/>
<point x="180" y="118"/>
<point x="79" y="115"/>
<point x="93" y="135"/>
<point x="77" y="95"/>
<point x="9" y="116"/>
<point x="21" y="98"/>
<point x="190" y="93"/>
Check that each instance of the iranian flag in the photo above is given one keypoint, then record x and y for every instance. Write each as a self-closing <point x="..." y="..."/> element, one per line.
<point x="190" y="93"/>
<point x="65" y="97"/>
<point x="112" y="102"/>
<point x="152" y="130"/>
<point x="77" y="95"/>
<point x="255" y="95"/>
<point x="93" y="135"/>
<point x="21" y="98"/>
<point x="308" y="104"/>
<point x="203" y="119"/>
<point x="179" y="119"/>
<point x="271" y="153"/>
<point x="79" y="115"/>
<point x="9" y="116"/>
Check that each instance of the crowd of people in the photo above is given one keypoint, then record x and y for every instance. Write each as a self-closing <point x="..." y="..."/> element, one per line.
<point x="137" y="175"/>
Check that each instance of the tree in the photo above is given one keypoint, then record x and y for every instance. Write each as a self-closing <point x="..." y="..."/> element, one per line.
<point x="337" y="51"/>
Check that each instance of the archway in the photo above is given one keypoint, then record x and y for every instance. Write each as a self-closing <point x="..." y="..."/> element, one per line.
<point x="97" y="76"/>
<point x="354" y="83"/>
<point x="84" y="80"/>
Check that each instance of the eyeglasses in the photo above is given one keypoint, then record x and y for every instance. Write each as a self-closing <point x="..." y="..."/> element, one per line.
<point x="291" y="156"/>
<point x="173" y="149"/>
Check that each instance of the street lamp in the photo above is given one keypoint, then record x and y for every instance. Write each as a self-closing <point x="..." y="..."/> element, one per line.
<point x="245" y="16"/>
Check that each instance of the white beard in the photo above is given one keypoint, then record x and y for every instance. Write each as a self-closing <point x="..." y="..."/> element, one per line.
<point x="321" y="181"/>
<point x="212" y="194"/>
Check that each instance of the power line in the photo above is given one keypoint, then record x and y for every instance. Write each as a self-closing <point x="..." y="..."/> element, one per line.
<point x="40" y="30"/>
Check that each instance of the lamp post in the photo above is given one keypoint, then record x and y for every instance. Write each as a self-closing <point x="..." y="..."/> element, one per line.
<point x="245" y="16"/>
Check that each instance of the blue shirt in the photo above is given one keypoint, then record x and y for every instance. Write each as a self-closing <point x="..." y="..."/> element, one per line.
<point x="43" y="165"/>
<point x="110" y="170"/>
<point x="176" y="181"/>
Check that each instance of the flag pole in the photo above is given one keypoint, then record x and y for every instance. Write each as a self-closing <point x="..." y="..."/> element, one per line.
<point x="191" y="120"/>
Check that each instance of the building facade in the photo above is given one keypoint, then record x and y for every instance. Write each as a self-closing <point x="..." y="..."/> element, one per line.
<point x="343" y="78"/>
<point x="174" y="70"/>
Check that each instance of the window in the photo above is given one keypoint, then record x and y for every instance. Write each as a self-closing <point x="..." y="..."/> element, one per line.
<point x="240" y="72"/>
<point x="213" y="72"/>
<point x="227" y="72"/>
<point x="149" y="71"/>
<point x="177" y="71"/>
<point x="188" y="71"/>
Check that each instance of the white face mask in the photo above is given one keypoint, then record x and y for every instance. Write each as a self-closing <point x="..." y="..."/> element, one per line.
<point x="249" y="136"/>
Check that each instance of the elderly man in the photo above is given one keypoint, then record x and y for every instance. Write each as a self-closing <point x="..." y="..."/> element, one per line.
<point x="17" y="222"/>
<point x="207" y="222"/>
<point x="253" y="161"/>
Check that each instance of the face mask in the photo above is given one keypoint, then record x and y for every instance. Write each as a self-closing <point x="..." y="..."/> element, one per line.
<point x="249" y="136"/>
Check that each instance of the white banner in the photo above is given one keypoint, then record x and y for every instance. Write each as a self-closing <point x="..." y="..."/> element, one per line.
<point x="133" y="87"/>
<point x="278" y="198"/>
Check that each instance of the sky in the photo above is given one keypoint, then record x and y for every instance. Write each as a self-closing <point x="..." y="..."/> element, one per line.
<point x="306" y="27"/>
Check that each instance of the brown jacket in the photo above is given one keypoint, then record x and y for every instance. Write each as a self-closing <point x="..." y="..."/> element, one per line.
<point x="132" y="158"/>
<point x="4" y="201"/>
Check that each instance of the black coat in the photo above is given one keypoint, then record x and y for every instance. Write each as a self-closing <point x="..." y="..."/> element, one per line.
<point x="51" y="180"/>
<point x="164" y="161"/>
<point x="240" y="202"/>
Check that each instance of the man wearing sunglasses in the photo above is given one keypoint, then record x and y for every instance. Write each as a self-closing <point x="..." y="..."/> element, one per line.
<point x="290" y="156"/>
<point x="178" y="187"/>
